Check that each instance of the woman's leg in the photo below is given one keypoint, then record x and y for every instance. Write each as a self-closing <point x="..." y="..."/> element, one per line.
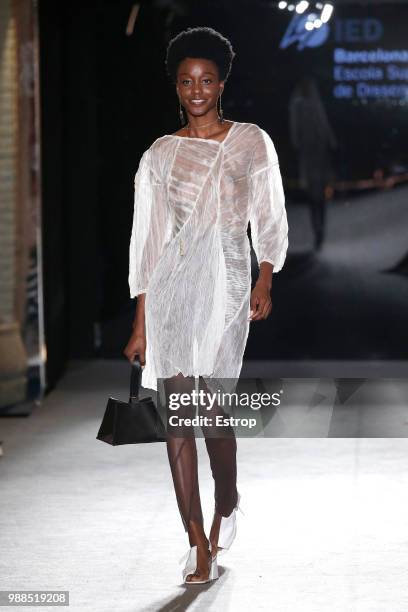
<point x="222" y="449"/>
<point x="182" y="454"/>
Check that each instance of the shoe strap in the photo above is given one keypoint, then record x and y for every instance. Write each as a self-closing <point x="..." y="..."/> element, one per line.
<point x="186" y="555"/>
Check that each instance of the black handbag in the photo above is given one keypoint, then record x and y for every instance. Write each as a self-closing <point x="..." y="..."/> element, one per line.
<point x="133" y="422"/>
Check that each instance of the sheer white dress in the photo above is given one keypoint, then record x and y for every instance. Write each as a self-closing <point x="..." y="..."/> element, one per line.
<point x="190" y="252"/>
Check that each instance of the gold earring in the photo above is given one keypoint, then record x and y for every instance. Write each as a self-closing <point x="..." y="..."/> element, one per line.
<point x="221" y="112"/>
<point x="181" y="114"/>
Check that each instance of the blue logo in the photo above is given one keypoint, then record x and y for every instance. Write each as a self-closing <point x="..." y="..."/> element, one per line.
<point x="298" y="33"/>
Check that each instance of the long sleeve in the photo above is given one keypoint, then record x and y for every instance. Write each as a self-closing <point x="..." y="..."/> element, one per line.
<point x="151" y="228"/>
<point x="269" y="225"/>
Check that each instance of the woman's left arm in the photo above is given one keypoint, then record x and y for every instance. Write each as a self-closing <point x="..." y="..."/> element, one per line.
<point x="268" y="219"/>
<point x="261" y="301"/>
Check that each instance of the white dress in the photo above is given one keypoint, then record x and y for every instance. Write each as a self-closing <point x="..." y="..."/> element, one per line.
<point x="190" y="252"/>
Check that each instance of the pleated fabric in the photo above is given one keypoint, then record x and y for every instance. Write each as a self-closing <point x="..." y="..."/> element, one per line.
<point x="190" y="252"/>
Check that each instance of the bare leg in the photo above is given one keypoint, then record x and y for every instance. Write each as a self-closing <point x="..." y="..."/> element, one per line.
<point x="182" y="454"/>
<point x="222" y="448"/>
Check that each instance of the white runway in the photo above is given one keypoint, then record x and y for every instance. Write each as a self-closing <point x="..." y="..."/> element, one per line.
<point x="325" y="525"/>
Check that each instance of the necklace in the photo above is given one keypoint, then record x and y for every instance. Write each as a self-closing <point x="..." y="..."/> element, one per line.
<point x="201" y="126"/>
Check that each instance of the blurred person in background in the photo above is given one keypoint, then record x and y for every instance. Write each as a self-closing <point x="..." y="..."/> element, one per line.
<point x="314" y="140"/>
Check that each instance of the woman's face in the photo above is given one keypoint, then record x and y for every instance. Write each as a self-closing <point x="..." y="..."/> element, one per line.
<point x="198" y="87"/>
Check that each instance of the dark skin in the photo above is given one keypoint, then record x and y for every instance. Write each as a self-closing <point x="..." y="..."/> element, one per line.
<point x="199" y="79"/>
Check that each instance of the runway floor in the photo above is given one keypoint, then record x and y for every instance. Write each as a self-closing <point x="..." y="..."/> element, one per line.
<point x="325" y="524"/>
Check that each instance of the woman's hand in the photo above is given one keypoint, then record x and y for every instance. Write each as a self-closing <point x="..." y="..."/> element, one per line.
<point x="136" y="346"/>
<point x="261" y="302"/>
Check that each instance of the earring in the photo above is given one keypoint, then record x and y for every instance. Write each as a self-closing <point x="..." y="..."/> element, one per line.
<point x="181" y="114"/>
<point x="221" y="112"/>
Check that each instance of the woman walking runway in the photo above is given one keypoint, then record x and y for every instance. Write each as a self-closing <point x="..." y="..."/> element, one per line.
<point x="190" y="268"/>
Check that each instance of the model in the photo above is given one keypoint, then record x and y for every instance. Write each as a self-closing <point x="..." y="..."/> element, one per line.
<point x="190" y="268"/>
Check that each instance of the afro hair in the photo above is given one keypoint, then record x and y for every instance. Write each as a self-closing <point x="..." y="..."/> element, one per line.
<point x="200" y="42"/>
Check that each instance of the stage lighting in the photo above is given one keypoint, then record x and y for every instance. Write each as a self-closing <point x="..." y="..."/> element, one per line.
<point x="282" y="4"/>
<point x="301" y="6"/>
<point x="317" y="23"/>
<point x="309" y="25"/>
<point x="291" y="7"/>
<point x="326" y="13"/>
<point x="319" y="5"/>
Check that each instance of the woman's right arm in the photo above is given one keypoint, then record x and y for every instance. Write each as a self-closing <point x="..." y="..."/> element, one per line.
<point x="137" y="341"/>
<point x="151" y="230"/>
<point x="139" y="320"/>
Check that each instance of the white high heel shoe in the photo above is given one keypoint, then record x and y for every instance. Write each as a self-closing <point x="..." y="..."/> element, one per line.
<point x="191" y="566"/>
<point x="228" y="528"/>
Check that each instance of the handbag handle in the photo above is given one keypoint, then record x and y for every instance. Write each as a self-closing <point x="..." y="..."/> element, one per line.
<point x="135" y="380"/>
